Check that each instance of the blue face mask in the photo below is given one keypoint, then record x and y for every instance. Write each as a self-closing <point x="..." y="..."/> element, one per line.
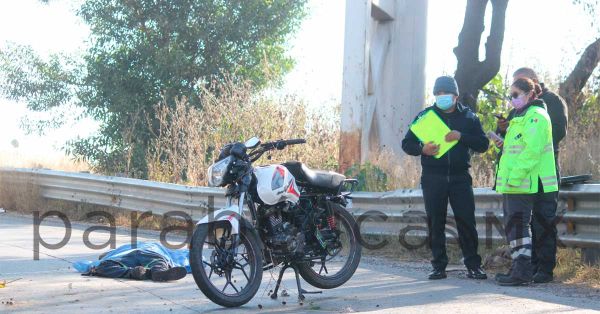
<point x="444" y="102"/>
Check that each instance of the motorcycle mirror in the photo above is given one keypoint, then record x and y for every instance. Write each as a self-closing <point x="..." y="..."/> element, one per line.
<point x="253" y="142"/>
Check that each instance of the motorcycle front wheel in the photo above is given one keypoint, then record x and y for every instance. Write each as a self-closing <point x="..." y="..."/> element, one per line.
<point x="227" y="268"/>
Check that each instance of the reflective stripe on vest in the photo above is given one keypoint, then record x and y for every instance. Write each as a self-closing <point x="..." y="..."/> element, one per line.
<point x="526" y="183"/>
<point x="517" y="149"/>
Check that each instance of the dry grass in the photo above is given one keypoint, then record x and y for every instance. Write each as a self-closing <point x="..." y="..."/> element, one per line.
<point x="188" y="140"/>
<point x="483" y="170"/>
<point x="580" y="150"/>
<point x="54" y="162"/>
<point x="580" y="154"/>
<point x="570" y="269"/>
<point x="25" y="198"/>
<point x="400" y="172"/>
<point x="21" y="196"/>
<point x="403" y="172"/>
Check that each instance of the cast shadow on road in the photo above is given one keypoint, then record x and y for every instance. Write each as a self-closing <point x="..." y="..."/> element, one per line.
<point x="374" y="287"/>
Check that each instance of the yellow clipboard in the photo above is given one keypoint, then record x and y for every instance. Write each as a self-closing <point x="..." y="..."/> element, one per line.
<point x="431" y="128"/>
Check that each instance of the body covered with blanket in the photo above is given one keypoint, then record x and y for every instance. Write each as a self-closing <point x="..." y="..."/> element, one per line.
<point x="144" y="260"/>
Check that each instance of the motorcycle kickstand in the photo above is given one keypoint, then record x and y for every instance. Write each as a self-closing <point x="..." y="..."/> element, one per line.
<point x="302" y="292"/>
<point x="274" y="295"/>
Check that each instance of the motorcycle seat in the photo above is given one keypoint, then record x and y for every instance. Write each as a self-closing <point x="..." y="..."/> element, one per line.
<point x="305" y="176"/>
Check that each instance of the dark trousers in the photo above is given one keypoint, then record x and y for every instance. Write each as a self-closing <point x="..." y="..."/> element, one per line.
<point x="458" y="189"/>
<point x="543" y="228"/>
<point x="517" y="217"/>
<point x="122" y="266"/>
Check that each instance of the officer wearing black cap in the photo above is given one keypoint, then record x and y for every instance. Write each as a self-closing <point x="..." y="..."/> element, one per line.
<point x="448" y="179"/>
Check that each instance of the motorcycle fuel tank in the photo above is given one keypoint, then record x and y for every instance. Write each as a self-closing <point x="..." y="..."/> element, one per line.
<point x="276" y="184"/>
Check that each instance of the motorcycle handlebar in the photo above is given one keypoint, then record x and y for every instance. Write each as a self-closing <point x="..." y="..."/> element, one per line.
<point x="295" y="141"/>
<point x="279" y="145"/>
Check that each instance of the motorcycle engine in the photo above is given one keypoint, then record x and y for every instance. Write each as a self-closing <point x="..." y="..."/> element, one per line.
<point x="282" y="236"/>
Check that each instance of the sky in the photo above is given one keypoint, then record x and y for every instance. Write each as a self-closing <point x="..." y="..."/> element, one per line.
<point x="546" y="35"/>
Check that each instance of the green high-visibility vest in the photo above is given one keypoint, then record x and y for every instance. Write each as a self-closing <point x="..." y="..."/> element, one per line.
<point x="528" y="155"/>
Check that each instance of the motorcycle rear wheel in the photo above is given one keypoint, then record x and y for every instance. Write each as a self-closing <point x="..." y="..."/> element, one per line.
<point x="314" y="275"/>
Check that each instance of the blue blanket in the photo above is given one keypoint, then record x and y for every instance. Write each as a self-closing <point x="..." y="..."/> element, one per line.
<point x="174" y="257"/>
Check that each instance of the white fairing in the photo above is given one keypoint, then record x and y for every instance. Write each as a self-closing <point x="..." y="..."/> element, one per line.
<point x="276" y="184"/>
<point x="230" y="214"/>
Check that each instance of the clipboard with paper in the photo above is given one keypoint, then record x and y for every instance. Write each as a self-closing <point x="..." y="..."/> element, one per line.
<point x="431" y="128"/>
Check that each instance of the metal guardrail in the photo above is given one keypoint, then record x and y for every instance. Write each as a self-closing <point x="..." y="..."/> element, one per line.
<point x="392" y="213"/>
<point x="402" y="213"/>
<point x="117" y="192"/>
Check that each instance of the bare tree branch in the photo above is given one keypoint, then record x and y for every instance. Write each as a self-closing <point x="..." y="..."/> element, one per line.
<point x="571" y="88"/>
<point x="472" y="74"/>
<point x="493" y="46"/>
<point x="469" y="38"/>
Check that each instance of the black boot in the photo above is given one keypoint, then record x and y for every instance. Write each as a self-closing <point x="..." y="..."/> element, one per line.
<point x="476" y="273"/>
<point x="500" y="275"/>
<point x="542" y="277"/>
<point x="511" y="281"/>
<point x="170" y="274"/>
<point x="521" y="273"/>
<point x="138" y="273"/>
<point x="512" y="278"/>
<point x="437" y="274"/>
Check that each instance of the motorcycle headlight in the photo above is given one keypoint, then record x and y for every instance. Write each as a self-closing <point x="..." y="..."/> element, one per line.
<point x="218" y="171"/>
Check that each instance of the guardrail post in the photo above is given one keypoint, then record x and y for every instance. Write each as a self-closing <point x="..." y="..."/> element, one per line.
<point x="590" y="256"/>
<point x="570" y="207"/>
<point x="211" y="204"/>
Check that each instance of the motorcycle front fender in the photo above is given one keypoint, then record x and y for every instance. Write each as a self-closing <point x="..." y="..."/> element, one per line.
<point x="229" y="214"/>
<point x="232" y="216"/>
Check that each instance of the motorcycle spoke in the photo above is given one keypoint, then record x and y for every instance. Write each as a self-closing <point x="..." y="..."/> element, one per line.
<point x="244" y="256"/>
<point x="229" y="283"/>
<point x="234" y="288"/>
<point x="323" y="268"/>
<point x="244" y="265"/>
<point x="243" y="271"/>
<point x="228" y="278"/>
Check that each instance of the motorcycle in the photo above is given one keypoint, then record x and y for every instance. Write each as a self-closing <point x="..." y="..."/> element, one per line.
<point x="295" y="218"/>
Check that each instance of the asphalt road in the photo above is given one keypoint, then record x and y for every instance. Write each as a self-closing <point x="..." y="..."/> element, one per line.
<point x="381" y="286"/>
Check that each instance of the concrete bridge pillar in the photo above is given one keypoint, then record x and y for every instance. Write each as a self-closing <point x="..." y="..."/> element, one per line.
<point x="384" y="75"/>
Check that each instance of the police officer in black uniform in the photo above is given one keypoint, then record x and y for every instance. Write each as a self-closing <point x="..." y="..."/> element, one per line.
<point x="448" y="179"/>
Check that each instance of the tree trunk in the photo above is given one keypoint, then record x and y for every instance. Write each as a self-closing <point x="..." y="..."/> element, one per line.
<point x="472" y="74"/>
<point x="570" y="89"/>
